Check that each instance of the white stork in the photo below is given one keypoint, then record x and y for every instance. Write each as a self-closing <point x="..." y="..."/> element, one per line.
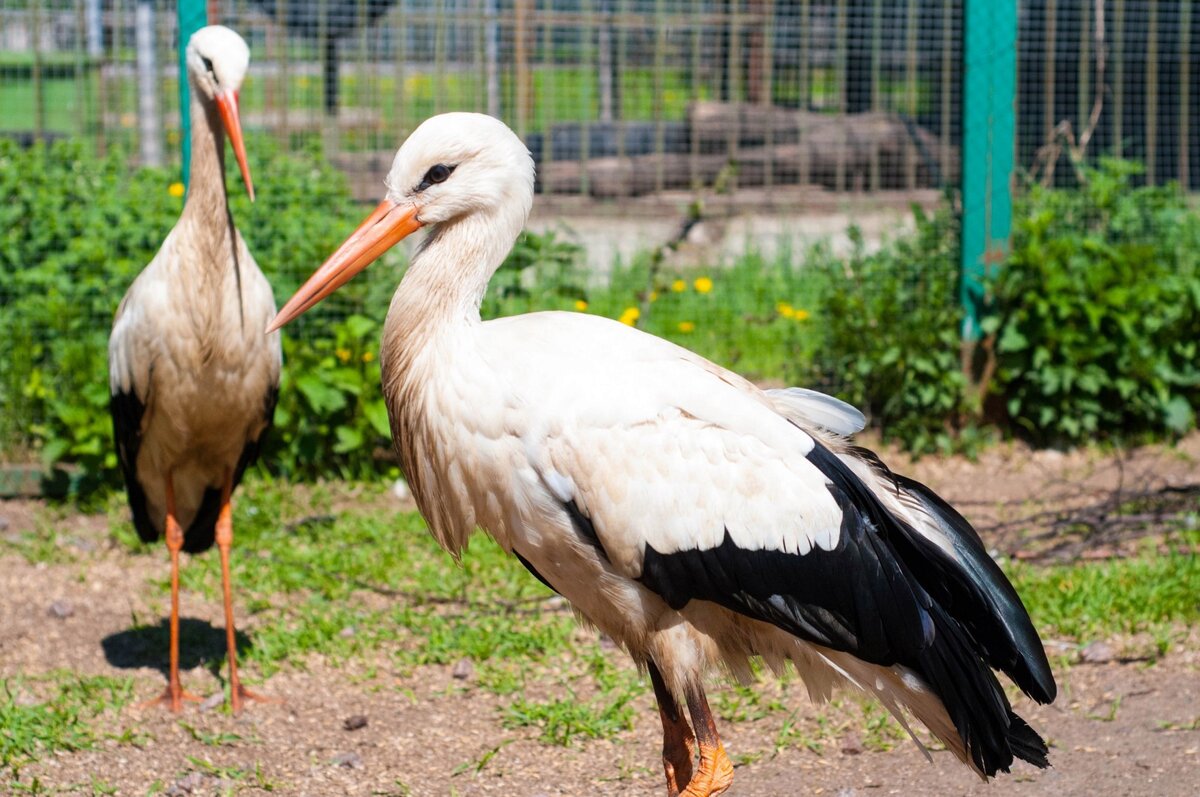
<point x="192" y="377"/>
<point x="697" y="520"/>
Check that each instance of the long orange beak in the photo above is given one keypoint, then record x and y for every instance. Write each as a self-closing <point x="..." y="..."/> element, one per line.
<point x="387" y="225"/>
<point x="227" y="105"/>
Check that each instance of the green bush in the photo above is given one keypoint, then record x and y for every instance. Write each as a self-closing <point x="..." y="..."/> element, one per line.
<point x="1095" y="324"/>
<point x="890" y="322"/>
<point x="70" y="231"/>
<point x="1097" y="311"/>
<point x="75" y="231"/>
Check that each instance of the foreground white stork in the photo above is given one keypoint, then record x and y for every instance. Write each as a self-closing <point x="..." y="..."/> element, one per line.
<point x="193" y="379"/>
<point x="694" y="518"/>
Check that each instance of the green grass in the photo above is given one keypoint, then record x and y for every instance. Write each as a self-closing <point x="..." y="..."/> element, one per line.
<point x="1150" y="592"/>
<point x="61" y="711"/>
<point x="400" y="101"/>
<point x="335" y="572"/>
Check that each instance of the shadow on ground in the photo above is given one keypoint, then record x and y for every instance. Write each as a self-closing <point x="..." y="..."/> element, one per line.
<point x="201" y="644"/>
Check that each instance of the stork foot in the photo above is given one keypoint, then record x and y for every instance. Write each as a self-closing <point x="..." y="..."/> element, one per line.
<point x="715" y="775"/>
<point x="678" y="762"/>
<point x="239" y="694"/>
<point x="172" y="698"/>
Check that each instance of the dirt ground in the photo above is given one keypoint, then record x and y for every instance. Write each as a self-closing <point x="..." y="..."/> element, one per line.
<point x="1118" y="728"/>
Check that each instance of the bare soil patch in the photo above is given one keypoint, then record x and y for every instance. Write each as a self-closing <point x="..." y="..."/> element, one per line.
<point x="1118" y="728"/>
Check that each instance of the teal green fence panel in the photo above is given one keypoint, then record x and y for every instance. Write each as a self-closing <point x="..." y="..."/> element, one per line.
<point x="192" y="17"/>
<point x="989" y="94"/>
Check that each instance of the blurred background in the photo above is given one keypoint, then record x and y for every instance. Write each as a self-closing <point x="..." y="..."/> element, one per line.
<point x="973" y="219"/>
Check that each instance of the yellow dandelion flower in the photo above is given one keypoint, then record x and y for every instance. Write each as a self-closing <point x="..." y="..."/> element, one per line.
<point x="175" y="190"/>
<point x="678" y="286"/>
<point x="343" y="355"/>
<point x="368" y="356"/>
<point x="630" y="315"/>
<point x="687" y="326"/>
<point x="580" y="305"/>
<point x="786" y="310"/>
<point x="702" y="284"/>
<point x="801" y="315"/>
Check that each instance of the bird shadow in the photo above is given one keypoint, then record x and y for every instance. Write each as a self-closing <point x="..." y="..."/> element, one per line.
<point x="201" y="644"/>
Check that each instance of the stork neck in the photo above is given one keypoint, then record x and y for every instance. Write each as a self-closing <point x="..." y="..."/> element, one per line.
<point x="206" y="197"/>
<point x="449" y="274"/>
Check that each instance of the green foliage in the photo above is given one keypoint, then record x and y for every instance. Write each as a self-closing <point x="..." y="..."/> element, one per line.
<point x="70" y="230"/>
<point x="1150" y="592"/>
<point x="562" y="720"/>
<point x="1097" y="311"/>
<point x="74" y="233"/>
<point x="1096" y="324"/>
<point x="543" y="272"/>
<point x="331" y="418"/>
<point x="32" y="727"/>
<point x="891" y="323"/>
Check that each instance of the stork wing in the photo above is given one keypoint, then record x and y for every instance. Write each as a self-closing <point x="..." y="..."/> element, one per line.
<point x="702" y="487"/>
<point x="128" y="381"/>
<point x="690" y="481"/>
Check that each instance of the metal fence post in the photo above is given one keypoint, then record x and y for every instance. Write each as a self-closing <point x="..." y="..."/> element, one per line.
<point x="989" y="93"/>
<point x="192" y="17"/>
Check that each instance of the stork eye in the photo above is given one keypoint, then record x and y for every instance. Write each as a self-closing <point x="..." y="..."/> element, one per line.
<point x="208" y="64"/>
<point x="436" y="174"/>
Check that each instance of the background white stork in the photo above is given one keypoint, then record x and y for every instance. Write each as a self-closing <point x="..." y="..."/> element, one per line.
<point x="193" y="379"/>
<point x="694" y="518"/>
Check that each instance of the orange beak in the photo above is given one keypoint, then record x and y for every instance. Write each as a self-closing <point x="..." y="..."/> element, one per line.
<point x="387" y="225"/>
<point x="227" y="104"/>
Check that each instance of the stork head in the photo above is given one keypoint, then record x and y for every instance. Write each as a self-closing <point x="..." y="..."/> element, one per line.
<point x="453" y="166"/>
<point x="217" y="60"/>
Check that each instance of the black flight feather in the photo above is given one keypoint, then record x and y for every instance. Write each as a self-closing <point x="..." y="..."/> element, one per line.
<point x="876" y="596"/>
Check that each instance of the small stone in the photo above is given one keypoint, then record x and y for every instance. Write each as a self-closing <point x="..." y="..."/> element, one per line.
<point x="212" y="701"/>
<point x="348" y="761"/>
<point x="400" y="490"/>
<point x="24" y="698"/>
<point x="61" y="609"/>
<point x="1097" y="653"/>
<point x="846" y="792"/>
<point x="347" y="632"/>
<point x="82" y="544"/>
<point x="463" y="670"/>
<point x="852" y="745"/>
<point x="188" y="784"/>
<point x="355" y="722"/>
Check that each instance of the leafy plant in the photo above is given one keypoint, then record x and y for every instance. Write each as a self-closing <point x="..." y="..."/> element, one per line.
<point x="542" y="272"/>
<point x="891" y="323"/>
<point x="1097" y="311"/>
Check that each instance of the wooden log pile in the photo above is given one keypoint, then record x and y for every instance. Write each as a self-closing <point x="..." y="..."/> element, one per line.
<point x="752" y="143"/>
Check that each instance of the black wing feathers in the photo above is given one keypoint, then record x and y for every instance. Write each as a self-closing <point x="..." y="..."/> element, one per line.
<point x="888" y="596"/>
<point x="976" y="593"/>
<point x="127" y="411"/>
<point x="971" y="587"/>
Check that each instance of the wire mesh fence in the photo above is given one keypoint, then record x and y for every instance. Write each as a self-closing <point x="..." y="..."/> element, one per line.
<point x="624" y="97"/>
<point x="615" y="97"/>
<point x="771" y="101"/>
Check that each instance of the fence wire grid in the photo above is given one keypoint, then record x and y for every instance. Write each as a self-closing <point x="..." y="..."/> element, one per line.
<point x="619" y="99"/>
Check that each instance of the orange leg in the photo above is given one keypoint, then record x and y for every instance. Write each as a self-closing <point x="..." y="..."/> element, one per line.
<point x="174" y="695"/>
<point x="716" y="770"/>
<point x="237" y="693"/>
<point x="679" y="744"/>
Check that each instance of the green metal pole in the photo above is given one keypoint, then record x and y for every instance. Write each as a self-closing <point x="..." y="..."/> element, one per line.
<point x="989" y="94"/>
<point x="192" y="17"/>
